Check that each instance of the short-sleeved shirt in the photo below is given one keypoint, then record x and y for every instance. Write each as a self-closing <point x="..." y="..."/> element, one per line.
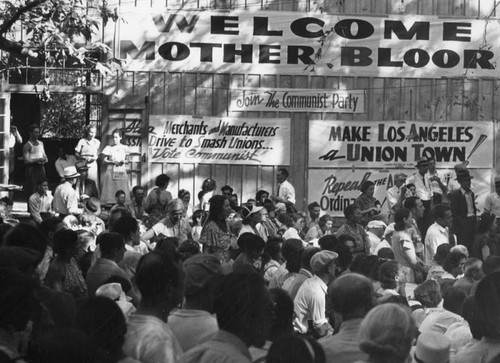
<point x="287" y="191"/>
<point x="492" y="204"/>
<point x="150" y="340"/>
<point x="166" y="228"/>
<point x="436" y="236"/>
<point x="310" y="304"/>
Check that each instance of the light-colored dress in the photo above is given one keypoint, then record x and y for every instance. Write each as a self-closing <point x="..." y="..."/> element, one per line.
<point x="115" y="177"/>
<point x="90" y="148"/>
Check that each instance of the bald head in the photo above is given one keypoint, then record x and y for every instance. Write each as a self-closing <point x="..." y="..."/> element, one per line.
<point x="352" y="296"/>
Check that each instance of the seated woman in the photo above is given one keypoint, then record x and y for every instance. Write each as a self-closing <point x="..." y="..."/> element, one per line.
<point x="322" y="228"/>
<point x="173" y="225"/>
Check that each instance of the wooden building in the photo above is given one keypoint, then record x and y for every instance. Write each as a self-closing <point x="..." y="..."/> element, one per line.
<point x="131" y="98"/>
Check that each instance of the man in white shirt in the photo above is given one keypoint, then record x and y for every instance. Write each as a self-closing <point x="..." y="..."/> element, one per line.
<point x="438" y="233"/>
<point x="310" y="302"/>
<point x="66" y="197"/>
<point x="286" y="191"/>
<point x="492" y="202"/>
<point x="40" y="203"/>
<point x="438" y="189"/>
<point x="396" y="195"/>
<point x="423" y="190"/>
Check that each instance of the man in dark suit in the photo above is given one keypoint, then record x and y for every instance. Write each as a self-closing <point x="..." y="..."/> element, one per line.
<point x="463" y="210"/>
<point x="85" y="187"/>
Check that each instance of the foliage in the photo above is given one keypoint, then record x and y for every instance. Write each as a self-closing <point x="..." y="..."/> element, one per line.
<point x="55" y="33"/>
<point x="63" y="116"/>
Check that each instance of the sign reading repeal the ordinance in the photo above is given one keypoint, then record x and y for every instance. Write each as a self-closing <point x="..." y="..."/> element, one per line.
<point x="215" y="140"/>
<point x="382" y="144"/>
<point x="304" y="43"/>
<point x="297" y="100"/>
<point x="335" y="189"/>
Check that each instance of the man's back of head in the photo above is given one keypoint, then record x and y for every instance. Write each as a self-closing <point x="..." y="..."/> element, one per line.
<point x="243" y="307"/>
<point x="351" y="295"/>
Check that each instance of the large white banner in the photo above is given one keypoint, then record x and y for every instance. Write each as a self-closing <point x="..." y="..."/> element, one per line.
<point x="335" y="189"/>
<point x="375" y="144"/>
<point x="305" y="43"/>
<point x="297" y="100"/>
<point x="215" y="140"/>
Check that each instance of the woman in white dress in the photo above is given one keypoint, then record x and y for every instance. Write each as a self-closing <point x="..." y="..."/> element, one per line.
<point x="115" y="178"/>
<point x="87" y="150"/>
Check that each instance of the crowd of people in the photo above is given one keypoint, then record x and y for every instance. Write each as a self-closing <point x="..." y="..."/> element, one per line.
<point x="154" y="279"/>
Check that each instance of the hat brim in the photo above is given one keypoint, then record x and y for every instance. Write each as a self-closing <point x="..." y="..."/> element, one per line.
<point x="72" y="176"/>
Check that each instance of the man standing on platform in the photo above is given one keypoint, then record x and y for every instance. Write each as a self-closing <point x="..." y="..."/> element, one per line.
<point x="396" y="195"/>
<point x="438" y="189"/>
<point x="286" y="191"/>
<point x="34" y="158"/>
<point x="423" y="190"/>
<point x="463" y="210"/>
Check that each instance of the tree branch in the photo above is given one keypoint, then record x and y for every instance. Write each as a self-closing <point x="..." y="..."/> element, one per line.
<point x="15" y="49"/>
<point x="23" y="9"/>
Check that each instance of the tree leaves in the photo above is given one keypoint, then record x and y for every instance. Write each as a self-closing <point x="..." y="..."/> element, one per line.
<point x="55" y="30"/>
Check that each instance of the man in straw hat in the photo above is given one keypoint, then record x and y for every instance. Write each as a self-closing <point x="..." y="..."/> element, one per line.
<point x="66" y="197"/>
<point x="310" y="301"/>
<point x="463" y="210"/>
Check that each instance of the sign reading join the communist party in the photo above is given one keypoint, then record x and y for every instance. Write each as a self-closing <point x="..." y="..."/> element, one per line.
<point x="215" y="140"/>
<point x="335" y="189"/>
<point x="297" y="43"/>
<point x="297" y="100"/>
<point x="388" y="144"/>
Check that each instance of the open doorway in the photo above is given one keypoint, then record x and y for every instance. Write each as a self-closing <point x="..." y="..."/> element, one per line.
<point x="61" y="120"/>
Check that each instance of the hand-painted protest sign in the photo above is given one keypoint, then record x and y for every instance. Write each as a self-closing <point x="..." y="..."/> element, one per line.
<point x="215" y="140"/>
<point x="296" y="43"/>
<point x="386" y="143"/>
<point x="335" y="189"/>
<point x="297" y="100"/>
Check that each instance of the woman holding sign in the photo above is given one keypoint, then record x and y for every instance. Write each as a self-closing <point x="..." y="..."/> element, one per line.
<point x="114" y="156"/>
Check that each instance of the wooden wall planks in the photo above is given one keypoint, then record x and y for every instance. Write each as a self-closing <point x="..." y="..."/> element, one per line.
<point x="432" y="100"/>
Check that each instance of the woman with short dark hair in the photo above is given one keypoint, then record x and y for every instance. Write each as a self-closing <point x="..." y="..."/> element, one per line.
<point x="157" y="200"/>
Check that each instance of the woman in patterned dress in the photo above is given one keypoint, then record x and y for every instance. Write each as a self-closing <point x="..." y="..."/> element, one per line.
<point x="216" y="236"/>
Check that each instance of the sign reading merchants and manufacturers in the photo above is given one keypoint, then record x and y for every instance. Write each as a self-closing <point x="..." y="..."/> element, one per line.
<point x="215" y="140"/>
<point x="335" y="189"/>
<point x="298" y="43"/>
<point x="385" y="143"/>
<point x="297" y="100"/>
